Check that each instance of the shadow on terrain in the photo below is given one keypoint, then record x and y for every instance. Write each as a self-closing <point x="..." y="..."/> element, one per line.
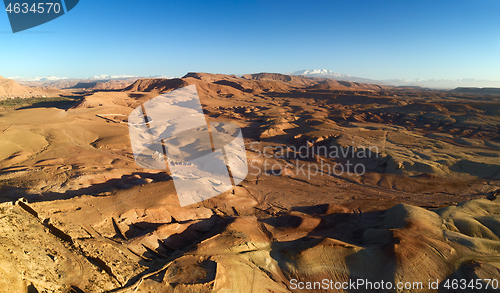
<point x="177" y="245"/>
<point x="65" y="104"/>
<point x="347" y="229"/>
<point x="12" y="193"/>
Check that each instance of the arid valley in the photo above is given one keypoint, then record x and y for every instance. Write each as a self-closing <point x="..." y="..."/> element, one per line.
<point x="384" y="184"/>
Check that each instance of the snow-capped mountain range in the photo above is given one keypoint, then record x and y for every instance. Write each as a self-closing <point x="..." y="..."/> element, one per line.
<point x="104" y="76"/>
<point x="47" y="78"/>
<point x="427" y="83"/>
<point x="320" y="73"/>
<point x="325" y="73"/>
<point x="95" y="77"/>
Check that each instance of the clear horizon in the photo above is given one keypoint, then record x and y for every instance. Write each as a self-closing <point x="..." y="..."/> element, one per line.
<point x="390" y="40"/>
<point x="118" y="76"/>
<point x="237" y="74"/>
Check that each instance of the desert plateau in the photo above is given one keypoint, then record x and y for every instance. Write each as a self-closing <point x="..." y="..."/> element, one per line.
<point x="347" y="182"/>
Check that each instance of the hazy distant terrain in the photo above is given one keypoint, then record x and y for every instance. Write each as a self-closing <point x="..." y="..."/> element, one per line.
<point x="78" y="214"/>
<point x="10" y="89"/>
<point x="98" y="82"/>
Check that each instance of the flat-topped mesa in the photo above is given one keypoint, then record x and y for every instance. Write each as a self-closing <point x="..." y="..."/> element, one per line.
<point x="271" y="76"/>
<point x="208" y="77"/>
<point x="332" y="84"/>
<point x="292" y="80"/>
<point x="155" y="84"/>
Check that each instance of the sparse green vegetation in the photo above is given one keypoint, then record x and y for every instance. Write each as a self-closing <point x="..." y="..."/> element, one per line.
<point x="47" y="102"/>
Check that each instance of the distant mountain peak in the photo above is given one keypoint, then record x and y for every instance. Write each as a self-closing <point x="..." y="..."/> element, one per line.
<point x="444" y="83"/>
<point x="95" y="77"/>
<point x="325" y="73"/>
<point x="46" y="78"/>
<point x="105" y="76"/>
<point x="318" y="73"/>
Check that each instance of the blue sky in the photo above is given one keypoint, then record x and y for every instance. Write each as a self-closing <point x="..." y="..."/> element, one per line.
<point x="373" y="39"/>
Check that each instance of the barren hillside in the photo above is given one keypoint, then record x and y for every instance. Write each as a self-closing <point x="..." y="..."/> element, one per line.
<point x="11" y="89"/>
